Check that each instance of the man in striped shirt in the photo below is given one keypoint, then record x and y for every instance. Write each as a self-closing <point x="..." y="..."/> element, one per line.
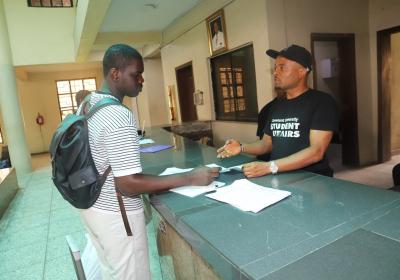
<point x="114" y="142"/>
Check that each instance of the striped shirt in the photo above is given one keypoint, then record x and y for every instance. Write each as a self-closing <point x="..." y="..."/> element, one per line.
<point x="114" y="142"/>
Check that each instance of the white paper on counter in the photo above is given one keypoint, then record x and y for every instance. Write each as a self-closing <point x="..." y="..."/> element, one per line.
<point x="248" y="196"/>
<point x="222" y="170"/>
<point x="226" y="169"/>
<point x="192" y="191"/>
<point x="146" y="141"/>
<point x="175" y="170"/>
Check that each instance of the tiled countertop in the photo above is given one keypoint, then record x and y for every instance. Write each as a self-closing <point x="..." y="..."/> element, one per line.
<point x="327" y="228"/>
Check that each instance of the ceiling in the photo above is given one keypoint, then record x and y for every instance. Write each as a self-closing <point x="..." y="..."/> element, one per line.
<point x="139" y="23"/>
<point x="144" y="15"/>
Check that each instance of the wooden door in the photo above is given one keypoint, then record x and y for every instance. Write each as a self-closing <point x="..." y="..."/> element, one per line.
<point x="185" y="81"/>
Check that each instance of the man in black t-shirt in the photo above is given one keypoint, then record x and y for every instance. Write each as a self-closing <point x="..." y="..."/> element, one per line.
<point x="299" y="125"/>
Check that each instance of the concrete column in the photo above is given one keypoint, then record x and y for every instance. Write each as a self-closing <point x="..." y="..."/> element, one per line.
<point x="9" y="105"/>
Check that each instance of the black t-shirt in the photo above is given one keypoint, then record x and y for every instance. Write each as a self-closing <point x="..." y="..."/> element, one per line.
<point x="290" y="121"/>
<point x="262" y="121"/>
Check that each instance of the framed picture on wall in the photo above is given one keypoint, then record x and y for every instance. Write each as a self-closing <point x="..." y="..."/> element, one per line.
<point x="216" y="32"/>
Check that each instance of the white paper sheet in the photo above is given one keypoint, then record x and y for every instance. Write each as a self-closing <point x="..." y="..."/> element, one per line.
<point x="237" y="167"/>
<point x="226" y="169"/>
<point x="192" y="191"/>
<point x="222" y="170"/>
<point x="146" y="141"/>
<point x="248" y="196"/>
<point x="174" y="170"/>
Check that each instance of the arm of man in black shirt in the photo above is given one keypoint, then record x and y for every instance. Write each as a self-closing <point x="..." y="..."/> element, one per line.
<point x="233" y="147"/>
<point x="319" y="141"/>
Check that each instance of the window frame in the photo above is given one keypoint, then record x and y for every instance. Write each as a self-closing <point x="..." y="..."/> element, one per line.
<point x="71" y="93"/>
<point x="51" y="4"/>
<point x="232" y="84"/>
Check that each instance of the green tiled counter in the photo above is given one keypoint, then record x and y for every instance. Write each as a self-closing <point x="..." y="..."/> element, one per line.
<point x="327" y="228"/>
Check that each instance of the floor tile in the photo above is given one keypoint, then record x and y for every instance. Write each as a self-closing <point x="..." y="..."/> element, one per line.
<point x="64" y="227"/>
<point x="60" y="268"/>
<point x="57" y="247"/>
<point x="31" y="272"/>
<point x="22" y="257"/>
<point x="14" y="240"/>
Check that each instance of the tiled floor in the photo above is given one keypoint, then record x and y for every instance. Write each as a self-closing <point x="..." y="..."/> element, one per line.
<point x="33" y="230"/>
<point x="379" y="175"/>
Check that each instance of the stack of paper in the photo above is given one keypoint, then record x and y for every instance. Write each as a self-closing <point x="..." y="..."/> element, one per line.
<point x="190" y="191"/>
<point x="248" y="196"/>
<point x="226" y="169"/>
<point x="146" y="141"/>
<point x="175" y="170"/>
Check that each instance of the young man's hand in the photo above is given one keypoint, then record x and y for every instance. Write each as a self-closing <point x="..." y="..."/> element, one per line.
<point x="202" y="176"/>
<point x="230" y="149"/>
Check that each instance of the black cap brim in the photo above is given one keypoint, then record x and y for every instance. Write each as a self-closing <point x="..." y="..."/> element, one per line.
<point x="272" y="53"/>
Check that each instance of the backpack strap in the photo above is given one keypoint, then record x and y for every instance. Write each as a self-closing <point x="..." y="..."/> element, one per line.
<point x="123" y="212"/>
<point x="120" y="202"/>
<point x="106" y="101"/>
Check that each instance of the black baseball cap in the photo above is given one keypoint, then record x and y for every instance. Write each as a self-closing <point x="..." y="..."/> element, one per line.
<point x="295" y="53"/>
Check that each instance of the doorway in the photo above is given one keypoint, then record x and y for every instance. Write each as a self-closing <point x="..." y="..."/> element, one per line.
<point x="386" y="67"/>
<point x="185" y="82"/>
<point x="335" y="73"/>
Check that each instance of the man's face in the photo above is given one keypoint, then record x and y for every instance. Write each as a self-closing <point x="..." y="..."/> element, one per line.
<point x="287" y="74"/>
<point x="215" y="26"/>
<point x="131" y="81"/>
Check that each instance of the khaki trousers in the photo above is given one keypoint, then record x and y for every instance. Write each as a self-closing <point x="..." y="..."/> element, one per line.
<point x="121" y="257"/>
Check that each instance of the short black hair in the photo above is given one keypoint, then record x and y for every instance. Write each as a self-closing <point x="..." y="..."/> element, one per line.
<point x="119" y="56"/>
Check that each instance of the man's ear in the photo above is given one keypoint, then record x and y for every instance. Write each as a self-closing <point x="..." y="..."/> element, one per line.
<point x="303" y="71"/>
<point x="114" y="74"/>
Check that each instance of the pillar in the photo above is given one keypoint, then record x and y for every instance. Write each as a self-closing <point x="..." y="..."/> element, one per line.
<point x="9" y="105"/>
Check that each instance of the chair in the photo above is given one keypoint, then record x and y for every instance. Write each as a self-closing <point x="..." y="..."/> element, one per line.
<point x="76" y="258"/>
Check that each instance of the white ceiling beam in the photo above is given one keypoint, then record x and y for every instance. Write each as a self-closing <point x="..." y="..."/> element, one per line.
<point x="89" y="18"/>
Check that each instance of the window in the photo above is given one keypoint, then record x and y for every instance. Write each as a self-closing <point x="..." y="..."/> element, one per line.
<point x="50" y="3"/>
<point x="1" y="137"/>
<point x="234" y="85"/>
<point x="66" y="91"/>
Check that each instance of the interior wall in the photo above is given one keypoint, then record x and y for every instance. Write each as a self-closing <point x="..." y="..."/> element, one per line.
<point x="383" y="14"/>
<point x="395" y="92"/>
<point x="326" y="54"/>
<point x="38" y="94"/>
<point x="245" y="23"/>
<point x="33" y="31"/>
<point x="2" y="131"/>
<point x="293" y="21"/>
<point x="152" y="106"/>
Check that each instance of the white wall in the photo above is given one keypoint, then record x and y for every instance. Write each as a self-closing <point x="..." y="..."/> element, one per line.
<point x="2" y="130"/>
<point x="39" y="35"/>
<point x="293" y="21"/>
<point x="325" y="51"/>
<point x="245" y="23"/>
<point x="38" y="94"/>
<point x="153" y="91"/>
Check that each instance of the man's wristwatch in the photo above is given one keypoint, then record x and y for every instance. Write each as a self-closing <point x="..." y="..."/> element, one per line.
<point x="273" y="167"/>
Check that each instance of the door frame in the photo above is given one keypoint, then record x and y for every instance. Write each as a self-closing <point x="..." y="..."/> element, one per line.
<point x="177" y="86"/>
<point x="383" y="52"/>
<point x="354" y="160"/>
